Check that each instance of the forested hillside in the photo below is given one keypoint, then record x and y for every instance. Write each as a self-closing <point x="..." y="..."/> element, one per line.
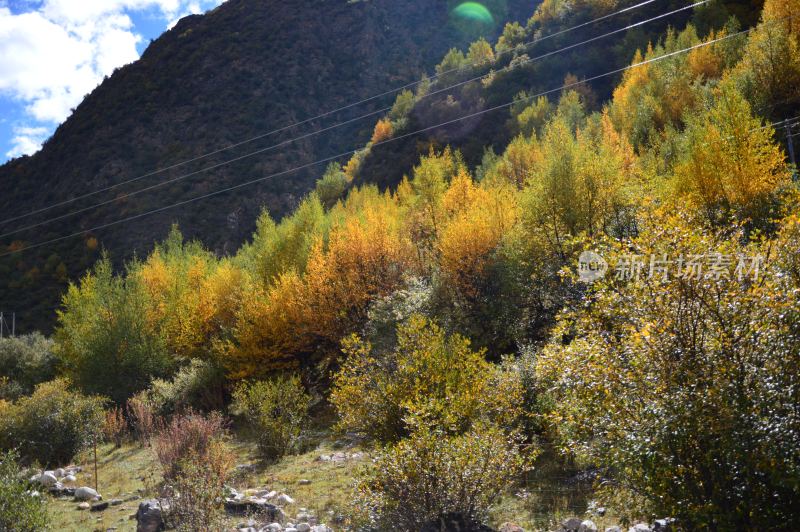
<point x="599" y="280"/>
<point x="247" y="68"/>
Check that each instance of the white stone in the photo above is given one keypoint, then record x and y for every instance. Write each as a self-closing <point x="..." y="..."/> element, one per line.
<point x="587" y="526"/>
<point x="284" y="499"/>
<point x="47" y="479"/>
<point x="86" y="494"/>
<point x="303" y="527"/>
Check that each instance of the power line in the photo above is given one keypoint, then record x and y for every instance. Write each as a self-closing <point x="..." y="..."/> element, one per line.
<point x="334" y="126"/>
<point x="323" y="115"/>
<point x="387" y="141"/>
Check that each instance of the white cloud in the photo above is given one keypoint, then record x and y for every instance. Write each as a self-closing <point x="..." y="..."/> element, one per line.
<point x="55" y="54"/>
<point x="27" y="140"/>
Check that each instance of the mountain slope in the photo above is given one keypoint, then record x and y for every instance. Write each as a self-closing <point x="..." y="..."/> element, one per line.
<point x="248" y="67"/>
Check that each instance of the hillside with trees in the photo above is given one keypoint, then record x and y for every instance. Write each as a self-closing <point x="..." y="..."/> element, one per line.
<point x="507" y="310"/>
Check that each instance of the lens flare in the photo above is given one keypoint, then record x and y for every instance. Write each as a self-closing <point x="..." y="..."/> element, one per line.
<point x="474" y="11"/>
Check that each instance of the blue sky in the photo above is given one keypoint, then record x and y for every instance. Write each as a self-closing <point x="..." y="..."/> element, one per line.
<point x="54" y="52"/>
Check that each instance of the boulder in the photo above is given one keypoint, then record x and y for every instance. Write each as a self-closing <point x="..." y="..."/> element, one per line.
<point x="587" y="526"/>
<point x="252" y="507"/>
<point x="47" y="479"/>
<point x="60" y="473"/>
<point x="86" y="494"/>
<point x="663" y="525"/>
<point x="149" y="517"/>
<point x="284" y="499"/>
<point x="571" y="524"/>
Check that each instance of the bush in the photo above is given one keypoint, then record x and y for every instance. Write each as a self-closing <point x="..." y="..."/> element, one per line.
<point x="429" y="375"/>
<point x="196" y="386"/>
<point x="115" y="427"/>
<point x="142" y="418"/>
<point x="19" y="509"/>
<point x="188" y="438"/>
<point x="432" y="477"/>
<point x="275" y="411"/>
<point x="194" y="495"/>
<point x="52" y="425"/>
<point x="25" y="361"/>
<point x="685" y="389"/>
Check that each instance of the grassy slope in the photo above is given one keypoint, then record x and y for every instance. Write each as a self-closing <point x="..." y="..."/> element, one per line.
<point x="130" y="472"/>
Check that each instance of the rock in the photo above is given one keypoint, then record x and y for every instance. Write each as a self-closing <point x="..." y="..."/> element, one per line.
<point x="60" y="473"/>
<point x="272" y="527"/>
<point x="254" y="506"/>
<point x="601" y="511"/>
<point x="339" y="457"/>
<point x="325" y="458"/>
<point x="99" y="507"/>
<point x="84" y="506"/>
<point x="320" y="528"/>
<point x="663" y="525"/>
<point x="613" y="529"/>
<point x="86" y="494"/>
<point x="47" y="479"/>
<point x="290" y="529"/>
<point x="571" y="524"/>
<point x="304" y="482"/>
<point x="149" y="517"/>
<point x="640" y="527"/>
<point x="587" y="526"/>
<point x="69" y="478"/>
<point x="284" y="499"/>
<point x="510" y="527"/>
<point x="303" y="527"/>
<point x="116" y="502"/>
<point x="245" y="468"/>
<point x="271" y="495"/>
<point x="61" y="491"/>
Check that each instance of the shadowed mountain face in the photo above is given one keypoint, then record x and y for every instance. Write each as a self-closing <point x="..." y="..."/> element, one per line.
<point x="246" y="68"/>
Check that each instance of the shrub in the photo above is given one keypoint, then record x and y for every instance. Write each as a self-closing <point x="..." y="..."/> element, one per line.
<point x="52" y="425"/>
<point x="25" y="361"/>
<point x="188" y="438"/>
<point x="195" y="493"/>
<point x="142" y="418"/>
<point x="115" y="427"/>
<point x="195" y="386"/>
<point x="428" y="374"/>
<point x="275" y="411"/>
<point x="685" y="389"/>
<point x="431" y="477"/>
<point x="19" y="509"/>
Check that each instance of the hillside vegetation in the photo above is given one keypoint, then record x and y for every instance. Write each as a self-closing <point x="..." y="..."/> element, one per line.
<point x="448" y="318"/>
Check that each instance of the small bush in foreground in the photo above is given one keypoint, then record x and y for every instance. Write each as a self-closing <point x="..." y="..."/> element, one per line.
<point x="194" y="495"/>
<point x="188" y="438"/>
<point x="19" y="509"/>
<point x="431" y="477"/>
<point x="52" y="425"/>
<point x="275" y="411"/>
